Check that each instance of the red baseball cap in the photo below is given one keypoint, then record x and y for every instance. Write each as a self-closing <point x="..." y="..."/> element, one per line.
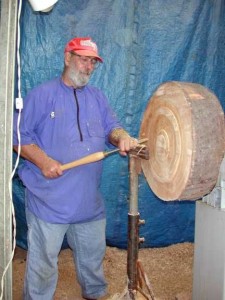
<point x="83" y="46"/>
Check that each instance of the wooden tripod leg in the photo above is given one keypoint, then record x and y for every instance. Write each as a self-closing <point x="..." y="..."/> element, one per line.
<point x="142" y="275"/>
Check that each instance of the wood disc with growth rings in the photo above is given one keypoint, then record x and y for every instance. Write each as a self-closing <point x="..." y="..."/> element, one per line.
<point x="184" y="124"/>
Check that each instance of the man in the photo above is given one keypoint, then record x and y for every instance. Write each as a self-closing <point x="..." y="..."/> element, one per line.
<point x="63" y="120"/>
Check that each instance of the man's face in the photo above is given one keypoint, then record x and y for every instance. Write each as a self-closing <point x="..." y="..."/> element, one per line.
<point x="80" y="69"/>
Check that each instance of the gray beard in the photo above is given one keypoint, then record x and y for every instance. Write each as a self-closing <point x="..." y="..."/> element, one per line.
<point x="78" y="79"/>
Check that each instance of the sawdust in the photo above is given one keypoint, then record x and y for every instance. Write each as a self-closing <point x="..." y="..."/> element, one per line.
<point x="169" y="271"/>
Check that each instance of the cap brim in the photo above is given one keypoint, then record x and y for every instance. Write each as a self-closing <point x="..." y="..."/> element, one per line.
<point x="88" y="53"/>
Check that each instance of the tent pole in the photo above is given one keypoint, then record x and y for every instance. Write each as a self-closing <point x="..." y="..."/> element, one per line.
<point x="8" y="27"/>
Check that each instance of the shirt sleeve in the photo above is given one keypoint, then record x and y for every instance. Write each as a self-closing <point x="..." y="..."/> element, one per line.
<point x="30" y="116"/>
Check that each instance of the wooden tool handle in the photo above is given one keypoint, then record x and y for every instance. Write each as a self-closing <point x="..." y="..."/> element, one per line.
<point x="91" y="158"/>
<point x="85" y="160"/>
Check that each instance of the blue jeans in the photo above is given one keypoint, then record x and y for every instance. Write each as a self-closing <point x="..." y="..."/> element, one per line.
<point x="87" y="241"/>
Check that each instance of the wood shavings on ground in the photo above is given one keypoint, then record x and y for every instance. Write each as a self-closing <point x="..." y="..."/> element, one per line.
<point x="169" y="270"/>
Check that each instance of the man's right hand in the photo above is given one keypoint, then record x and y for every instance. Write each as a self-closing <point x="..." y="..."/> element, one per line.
<point x="49" y="167"/>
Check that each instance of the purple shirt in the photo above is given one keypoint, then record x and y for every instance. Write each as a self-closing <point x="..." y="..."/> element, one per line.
<point x="66" y="131"/>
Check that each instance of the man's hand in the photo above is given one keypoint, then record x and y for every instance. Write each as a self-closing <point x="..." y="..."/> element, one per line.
<point x="121" y="139"/>
<point x="125" y="144"/>
<point x="51" y="168"/>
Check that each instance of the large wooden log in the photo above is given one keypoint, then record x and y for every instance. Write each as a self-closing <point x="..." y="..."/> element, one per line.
<point x="184" y="124"/>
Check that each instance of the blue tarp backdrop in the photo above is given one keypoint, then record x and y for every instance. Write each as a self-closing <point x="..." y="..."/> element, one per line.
<point x="143" y="43"/>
